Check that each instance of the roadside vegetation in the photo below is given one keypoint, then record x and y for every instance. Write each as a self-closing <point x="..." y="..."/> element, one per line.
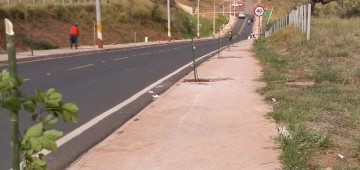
<point x="322" y="120"/>
<point x="124" y="21"/>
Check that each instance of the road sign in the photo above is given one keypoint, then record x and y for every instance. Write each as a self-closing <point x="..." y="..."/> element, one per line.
<point x="259" y="11"/>
<point x="266" y="13"/>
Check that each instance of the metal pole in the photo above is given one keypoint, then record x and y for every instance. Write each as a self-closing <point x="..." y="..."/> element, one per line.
<point x="14" y="118"/>
<point x="219" y="44"/>
<point x="194" y="61"/>
<point x="308" y="23"/>
<point x="168" y="15"/>
<point x="198" y="20"/>
<point x="258" y="28"/>
<point x="304" y="18"/>
<point x="94" y="33"/>
<point x="98" y="24"/>
<point x="234" y="10"/>
<point x="214" y="21"/>
<point x="229" y="8"/>
<point x="223" y="9"/>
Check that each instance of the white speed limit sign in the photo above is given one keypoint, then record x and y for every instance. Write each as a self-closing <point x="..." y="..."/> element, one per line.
<point x="259" y="11"/>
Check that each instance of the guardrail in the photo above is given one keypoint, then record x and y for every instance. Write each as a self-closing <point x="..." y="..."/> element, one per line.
<point x="299" y="19"/>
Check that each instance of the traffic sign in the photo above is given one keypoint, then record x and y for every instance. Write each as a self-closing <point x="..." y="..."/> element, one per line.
<point x="266" y="13"/>
<point x="259" y="11"/>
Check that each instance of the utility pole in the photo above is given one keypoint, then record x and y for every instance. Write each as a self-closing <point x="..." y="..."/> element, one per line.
<point x="198" y="22"/>
<point x="214" y="20"/>
<point x="98" y="24"/>
<point x="168" y="15"/>
<point x="229" y="8"/>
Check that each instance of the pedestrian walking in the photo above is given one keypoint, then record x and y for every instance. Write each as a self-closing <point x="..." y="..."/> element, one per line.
<point x="74" y="34"/>
<point x="230" y="35"/>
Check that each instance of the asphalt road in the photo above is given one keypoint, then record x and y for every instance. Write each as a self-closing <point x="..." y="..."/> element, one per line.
<point x="98" y="82"/>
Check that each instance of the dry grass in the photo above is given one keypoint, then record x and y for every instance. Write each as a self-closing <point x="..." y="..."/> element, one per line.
<point x="324" y="119"/>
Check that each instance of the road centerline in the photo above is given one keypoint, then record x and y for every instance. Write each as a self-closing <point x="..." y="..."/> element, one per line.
<point x="80" y="67"/>
<point x="121" y="58"/>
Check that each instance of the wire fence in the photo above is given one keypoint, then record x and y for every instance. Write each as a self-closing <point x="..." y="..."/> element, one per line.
<point x="299" y="19"/>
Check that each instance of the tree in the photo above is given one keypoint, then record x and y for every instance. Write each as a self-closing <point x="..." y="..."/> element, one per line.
<point x="323" y="2"/>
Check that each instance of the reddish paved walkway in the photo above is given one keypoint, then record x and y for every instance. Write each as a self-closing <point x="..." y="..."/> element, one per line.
<point x="218" y="125"/>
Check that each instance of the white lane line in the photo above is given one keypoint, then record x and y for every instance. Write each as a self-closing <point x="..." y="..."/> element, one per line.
<point x="27" y="80"/>
<point x="121" y="58"/>
<point x="100" y="117"/>
<point x="80" y="67"/>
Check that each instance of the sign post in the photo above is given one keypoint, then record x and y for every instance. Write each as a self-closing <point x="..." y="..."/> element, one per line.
<point x="259" y="11"/>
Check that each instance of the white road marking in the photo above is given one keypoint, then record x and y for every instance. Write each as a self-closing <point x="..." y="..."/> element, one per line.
<point x="121" y="58"/>
<point x="80" y="67"/>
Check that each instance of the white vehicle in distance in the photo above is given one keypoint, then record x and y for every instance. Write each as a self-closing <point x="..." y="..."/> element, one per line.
<point x="236" y="4"/>
<point x="242" y="15"/>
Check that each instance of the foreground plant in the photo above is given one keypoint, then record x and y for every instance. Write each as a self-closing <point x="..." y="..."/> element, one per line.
<point x="44" y="106"/>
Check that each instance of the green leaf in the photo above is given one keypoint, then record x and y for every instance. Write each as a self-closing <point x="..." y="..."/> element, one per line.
<point x="20" y="80"/>
<point x="3" y="85"/>
<point x="34" y="131"/>
<point x="51" y="122"/>
<point x="38" y="95"/>
<point x="52" y="103"/>
<point x="29" y="151"/>
<point x="50" y="91"/>
<point x="69" y="112"/>
<point x="29" y="106"/>
<point x="55" y="96"/>
<point x="53" y="134"/>
<point x="49" y="144"/>
<point x="74" y="118"/>
<point x="71" y="107"/>
<point x="36" y="144"/>
<point x="12" y="103"/>
<point x="66" y="115"/>
<point x="5" y="74"/>
<point x="48" y="117"/>
<point x="39" y="162"/>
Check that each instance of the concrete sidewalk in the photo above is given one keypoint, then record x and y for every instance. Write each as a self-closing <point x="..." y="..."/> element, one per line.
<point x="220" y="124"/>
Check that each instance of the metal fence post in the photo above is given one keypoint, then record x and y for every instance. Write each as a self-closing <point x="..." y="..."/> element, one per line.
<point x="309" y="21"/>
<point x="305" y="19"/>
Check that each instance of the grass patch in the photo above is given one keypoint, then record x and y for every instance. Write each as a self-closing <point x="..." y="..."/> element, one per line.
<point x="40" y="45"/>
<point x="323" y="119"/>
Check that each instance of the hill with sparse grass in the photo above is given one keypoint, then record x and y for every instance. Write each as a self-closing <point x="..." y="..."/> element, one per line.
<point x="47" y="26"/>
<point x="323" y="120"/>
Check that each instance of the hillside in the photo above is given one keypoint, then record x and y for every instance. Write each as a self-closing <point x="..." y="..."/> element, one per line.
<point x="48" y="25"/>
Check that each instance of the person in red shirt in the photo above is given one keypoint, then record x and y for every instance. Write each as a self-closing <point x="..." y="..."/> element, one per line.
<point x="74" y="34"/>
